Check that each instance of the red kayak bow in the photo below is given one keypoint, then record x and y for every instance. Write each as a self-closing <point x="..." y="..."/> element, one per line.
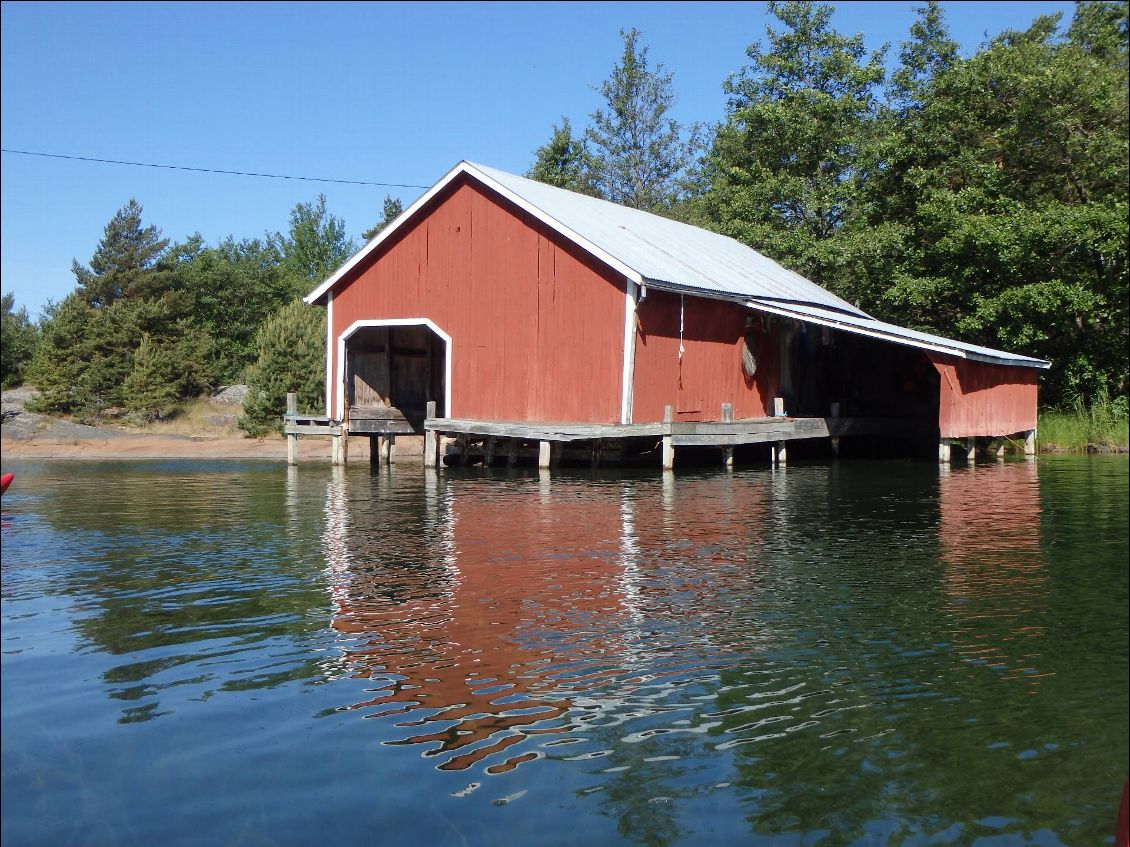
<point x="5" y="481"/>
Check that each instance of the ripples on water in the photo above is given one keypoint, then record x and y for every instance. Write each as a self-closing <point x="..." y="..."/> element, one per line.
<point x="872" y="653"/>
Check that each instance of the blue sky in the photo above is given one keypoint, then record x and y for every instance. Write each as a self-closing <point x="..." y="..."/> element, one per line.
<point x="384" y="92"/>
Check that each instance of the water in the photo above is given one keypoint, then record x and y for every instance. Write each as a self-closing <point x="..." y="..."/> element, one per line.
<point x="859" y="653"/>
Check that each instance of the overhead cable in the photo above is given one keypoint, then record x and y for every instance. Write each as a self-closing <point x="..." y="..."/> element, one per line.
<point x="210" y="170"/>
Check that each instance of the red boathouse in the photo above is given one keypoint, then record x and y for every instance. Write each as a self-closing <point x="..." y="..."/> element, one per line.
<point x="534" y="314"/>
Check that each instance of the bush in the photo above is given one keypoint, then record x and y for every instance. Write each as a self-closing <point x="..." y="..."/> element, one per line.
<point x="292" y="357"/>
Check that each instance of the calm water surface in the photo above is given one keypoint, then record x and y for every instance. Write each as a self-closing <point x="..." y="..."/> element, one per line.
<point x="860" y="653"/>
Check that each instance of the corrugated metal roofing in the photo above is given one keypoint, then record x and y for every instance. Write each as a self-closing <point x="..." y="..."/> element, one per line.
<point x="897" y="334"/>
<point x="679" y="257"/>
<point x="667" y="253"/>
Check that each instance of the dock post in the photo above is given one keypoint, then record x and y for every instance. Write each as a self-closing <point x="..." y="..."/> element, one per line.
<point x="836" y="446"/>
<point x="336" y="457"/>
<point x="291" y="437"/>
<point x="511" y="452"/>
<point x="668" y="445"/>
<point x="389" y="446"/>
<point x="544" y="453"/>
<point x="431" y="440"/>
<point x="488" y="451"/>
<point x="374" y="452"/>
<point x="781" y="453"/>
<point x="1000" y="449"/>
<point x="1030" y="443"/>
<point x="728" y="417"/>
<point x="944" y="452"/>
<point x="971" y="450"/>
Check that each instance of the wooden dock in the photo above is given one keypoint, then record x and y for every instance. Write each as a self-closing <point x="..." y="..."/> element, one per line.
<point x="463" y="441"/>
<point x="553" y="442"/>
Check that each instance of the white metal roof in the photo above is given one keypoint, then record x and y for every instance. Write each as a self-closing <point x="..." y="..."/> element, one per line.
<point x="899" y="335"/>
<point x="674" y="256"/>
<point x="648" y="249"/>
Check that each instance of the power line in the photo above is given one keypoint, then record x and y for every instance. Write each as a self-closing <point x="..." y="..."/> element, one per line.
<point x="210" y="170"/>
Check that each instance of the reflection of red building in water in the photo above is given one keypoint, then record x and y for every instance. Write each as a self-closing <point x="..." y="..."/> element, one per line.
<point x="488" y="622"/>
<point x="989" y="539"/>
<point x="508" y="605"/>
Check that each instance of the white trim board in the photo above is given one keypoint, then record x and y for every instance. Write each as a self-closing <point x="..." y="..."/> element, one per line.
<point x="362" y="324"/>
<point x="329" y="354"/>
<point x="631" y="292"/>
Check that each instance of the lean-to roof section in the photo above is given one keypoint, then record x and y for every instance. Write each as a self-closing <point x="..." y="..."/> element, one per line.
<point x="896" y="334"/>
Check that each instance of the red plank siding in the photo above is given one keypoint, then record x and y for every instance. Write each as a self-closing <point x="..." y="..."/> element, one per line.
<point x="977" y="398"/>
<point x="709" y="373"/>
<point x="536" y="325"/>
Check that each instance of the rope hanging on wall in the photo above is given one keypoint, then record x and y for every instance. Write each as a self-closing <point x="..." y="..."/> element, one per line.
<point x="749" y="360"/>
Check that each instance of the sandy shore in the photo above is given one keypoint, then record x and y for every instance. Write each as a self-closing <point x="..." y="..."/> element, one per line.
<point x="143" y="446"/>
<point x="29" y="435"/>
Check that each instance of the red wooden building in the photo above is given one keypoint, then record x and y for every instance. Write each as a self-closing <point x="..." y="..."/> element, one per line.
<point x="506" y="300"/>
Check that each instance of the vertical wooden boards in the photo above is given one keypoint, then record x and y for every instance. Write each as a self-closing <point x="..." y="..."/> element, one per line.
<point x="977" y="398"/>
<point x="709" y="370"/>
<point x="536" y="324"/>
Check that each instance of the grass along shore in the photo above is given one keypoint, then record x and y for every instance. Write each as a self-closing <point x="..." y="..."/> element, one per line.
<point x="1103" y="426"/>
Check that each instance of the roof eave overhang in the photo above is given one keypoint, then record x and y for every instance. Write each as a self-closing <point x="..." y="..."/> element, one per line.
<point x="886" y="335"/>
<point x="467" y="168"/>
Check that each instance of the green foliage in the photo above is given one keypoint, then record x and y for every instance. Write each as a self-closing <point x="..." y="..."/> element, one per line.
<point x="151" y="387"/>
<point x="638" y="155"/>
<point x="564" y="161"/>
<point x="234" y="286"/>
<point x="87" y="360"/>
<point x="82" y="360"/>
<point x="18" y="338"/>
<point x="390" y="212"/>
<point x="122" y="263"/>
<point x="788" y="165"/>
<point x="292" y="357"/>
<point x="313" y="248"/>
<point x="1105" y="424"/>
<point x="1007" y="184"/>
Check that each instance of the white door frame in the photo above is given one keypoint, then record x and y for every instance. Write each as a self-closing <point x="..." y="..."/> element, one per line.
<point x="362" y="324"/>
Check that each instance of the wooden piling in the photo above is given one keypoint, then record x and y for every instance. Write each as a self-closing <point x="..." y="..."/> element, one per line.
<point x="668" y="444"/>
<point x="431" y="440"/>
<point x="781" y="453"/>
<point x="292" y="437"/>
<point x="1030" y="443"/>
<point x="544" y="454"/>
<point x="944" y="454"/>
<point x="728" y="417"/>
<point x="1000" y="443"/>
<point x="374" y="451"/>
<point x="971" y="450"/>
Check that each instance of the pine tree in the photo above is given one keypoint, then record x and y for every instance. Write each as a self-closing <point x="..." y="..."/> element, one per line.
<point x="125" y="255"/>
<point x="292" y="357"/>
<point x="18" y="337"/>
<point x="564" y="161"/>
<point x="151" y="387"/>
<point x="639" y="155"/>
<point x="391" y="211"/>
